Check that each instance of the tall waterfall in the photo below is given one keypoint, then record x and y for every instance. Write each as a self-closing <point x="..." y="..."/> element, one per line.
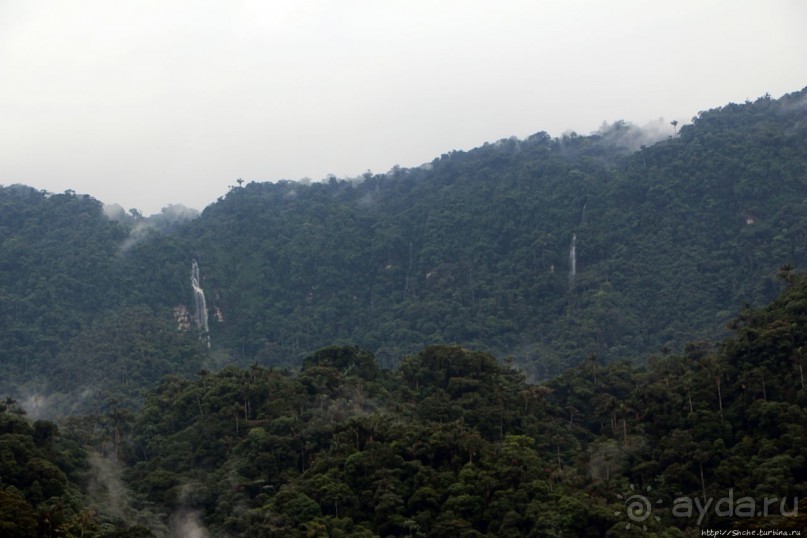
<point x="573" y="258"/>
<point x="200" y="305"/>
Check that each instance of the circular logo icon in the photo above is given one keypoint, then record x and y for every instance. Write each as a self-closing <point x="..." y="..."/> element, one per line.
<point x="637" y="507"/>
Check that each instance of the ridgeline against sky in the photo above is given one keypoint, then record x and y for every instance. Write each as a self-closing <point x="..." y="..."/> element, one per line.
<point x="545" y="249"/>
<point x="147" y="104"/>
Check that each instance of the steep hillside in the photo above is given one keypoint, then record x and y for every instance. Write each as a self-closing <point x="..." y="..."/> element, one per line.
<point x="74" y="328"/>
<point x="606" y="270"/>
<point x="548" y="250"/>
<point x="475" y="248"/>
<point x="453" y="443"/>
<point x="57" y="274"/>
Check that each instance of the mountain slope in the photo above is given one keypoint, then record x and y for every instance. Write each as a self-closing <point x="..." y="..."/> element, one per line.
<point x="453" y="443"/>
<point x="474" y="248"/>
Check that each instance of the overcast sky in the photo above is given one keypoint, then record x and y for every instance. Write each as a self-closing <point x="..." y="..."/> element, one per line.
<point x="148" y="103"/>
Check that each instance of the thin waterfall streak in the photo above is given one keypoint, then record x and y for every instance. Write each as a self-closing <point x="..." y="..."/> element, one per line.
<point x="200" y="304"/>
<point x="573" y="258"/>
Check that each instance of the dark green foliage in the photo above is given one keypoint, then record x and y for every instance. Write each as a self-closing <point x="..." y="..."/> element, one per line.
<point x="333" y="450"/>
<point x="454" y="443"/>
<point x="471" y="249"/>
<point x="115" y="358"/>
<point x="358" y="362"/>
<point x="431" y="270"/>
<point x="474" y="249"/>
<point x="56" y="274"/>
<point x="40" y="476"/>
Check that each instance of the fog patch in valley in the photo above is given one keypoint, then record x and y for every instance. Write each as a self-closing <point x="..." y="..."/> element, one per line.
<point x="140" y="227"/>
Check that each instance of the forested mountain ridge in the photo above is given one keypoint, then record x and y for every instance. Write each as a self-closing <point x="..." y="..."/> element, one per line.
<point x="572" y="251"/>
<point x="473" y="248"/>
<point x="453" y="443"/>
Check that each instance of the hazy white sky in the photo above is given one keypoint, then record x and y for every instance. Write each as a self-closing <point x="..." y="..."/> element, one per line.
<point x="150" y="102"/>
